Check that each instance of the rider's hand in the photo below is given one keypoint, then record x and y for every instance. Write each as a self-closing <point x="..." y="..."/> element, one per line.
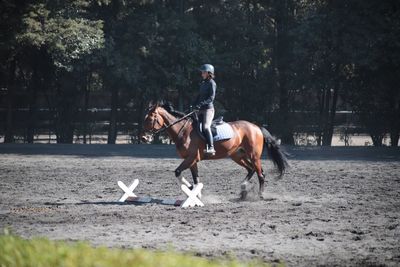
<point x="194" y="108"/>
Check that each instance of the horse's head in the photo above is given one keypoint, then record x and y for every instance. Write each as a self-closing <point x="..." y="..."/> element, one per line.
<point x="153" y="121"/>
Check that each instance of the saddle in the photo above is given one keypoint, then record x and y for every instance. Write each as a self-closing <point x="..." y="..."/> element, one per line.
<point x="219" y="128"/>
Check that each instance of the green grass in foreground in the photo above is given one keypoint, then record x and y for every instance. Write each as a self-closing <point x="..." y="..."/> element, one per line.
<point x="15" y="251"/>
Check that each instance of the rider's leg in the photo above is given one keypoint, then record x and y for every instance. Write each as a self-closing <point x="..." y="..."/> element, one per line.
<point x="200" y="118"/>
<point x="208" y="117"/>
<point x="209" y="138"/>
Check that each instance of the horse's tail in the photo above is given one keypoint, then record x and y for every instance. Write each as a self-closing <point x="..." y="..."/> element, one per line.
<point x="275" y="153"/>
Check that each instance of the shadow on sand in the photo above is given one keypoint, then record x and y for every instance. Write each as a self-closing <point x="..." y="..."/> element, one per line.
<point x="169" y="151"/>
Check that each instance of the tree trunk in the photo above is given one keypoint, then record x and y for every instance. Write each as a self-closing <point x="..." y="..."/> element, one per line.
<point x="321" y="117"/>
<point x="65" y="130"/>
<point x="377" y="139"/>
<point x="9" y="131"/>
<point x="331" y="123"/>
<point x="66" y="104"/>
<point x="85" y="107"/>
<point x="30" y="133"/>
<point x="394" y="127"/>
<point x="282" y="60"/>
<point x="325" y="133"/>
<point x="112" y="130"/>
<point x="140" y="117"/>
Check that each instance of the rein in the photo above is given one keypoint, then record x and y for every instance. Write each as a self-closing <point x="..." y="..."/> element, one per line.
<point x="172" y="124"/>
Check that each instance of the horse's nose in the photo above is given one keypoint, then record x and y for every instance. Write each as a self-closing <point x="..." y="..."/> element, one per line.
<point x="143" y="137"/>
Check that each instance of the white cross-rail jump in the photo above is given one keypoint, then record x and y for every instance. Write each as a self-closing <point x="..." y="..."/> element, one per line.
<point x="193" y="195"/>
<point x="128" y="190"/>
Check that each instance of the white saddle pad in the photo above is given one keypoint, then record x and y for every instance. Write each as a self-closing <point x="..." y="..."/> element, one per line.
<point x="224" y="132"/>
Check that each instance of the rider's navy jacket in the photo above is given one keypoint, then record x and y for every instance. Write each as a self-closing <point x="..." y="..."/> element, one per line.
<point x="206" y="95"/>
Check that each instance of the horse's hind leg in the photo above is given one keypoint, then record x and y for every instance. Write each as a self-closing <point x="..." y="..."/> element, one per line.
<point x="261" y="176"/>
<point x="254" y="148"/>
<point x="250" y="172"/>
<point x="244" y="162"/>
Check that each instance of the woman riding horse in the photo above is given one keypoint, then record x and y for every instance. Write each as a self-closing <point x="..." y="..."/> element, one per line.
<point x="204" y="103"/>
<point x="245" y="147"/>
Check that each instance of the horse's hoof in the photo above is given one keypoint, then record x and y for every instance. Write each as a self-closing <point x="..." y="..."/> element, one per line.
<point x="177" y="173"/>
<point x="243" y="187"/>
<point x="243" y="195"/>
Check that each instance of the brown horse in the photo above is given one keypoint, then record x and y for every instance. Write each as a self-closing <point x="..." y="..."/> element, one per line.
<point x="245" y="147"/>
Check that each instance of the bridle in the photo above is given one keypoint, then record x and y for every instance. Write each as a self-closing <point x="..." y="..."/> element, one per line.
<point x="163" y="128"/>
<point x="152" y="131"/>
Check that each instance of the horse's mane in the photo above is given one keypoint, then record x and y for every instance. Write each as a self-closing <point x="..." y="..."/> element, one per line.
<point x="170" y="108"/>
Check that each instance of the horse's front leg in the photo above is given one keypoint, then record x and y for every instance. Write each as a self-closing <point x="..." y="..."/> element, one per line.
<point x="195" y="173"/>
<point x="186" y="163"/>
<point x="192" y="164"/>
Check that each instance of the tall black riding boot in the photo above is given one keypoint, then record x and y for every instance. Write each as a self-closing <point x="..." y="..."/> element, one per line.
<point x="210" y="142"/>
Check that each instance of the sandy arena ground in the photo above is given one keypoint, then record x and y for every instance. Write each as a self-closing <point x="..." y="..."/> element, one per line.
<point x="335" y="206"/>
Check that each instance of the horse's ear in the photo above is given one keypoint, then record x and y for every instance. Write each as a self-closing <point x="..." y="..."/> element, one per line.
<point x="151" y="104"/>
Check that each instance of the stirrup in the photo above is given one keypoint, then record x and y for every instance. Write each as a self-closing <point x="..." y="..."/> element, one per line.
<point x="210" y="150"/>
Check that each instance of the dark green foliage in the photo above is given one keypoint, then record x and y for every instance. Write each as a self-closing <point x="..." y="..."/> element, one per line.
<point x="286" y="63"/>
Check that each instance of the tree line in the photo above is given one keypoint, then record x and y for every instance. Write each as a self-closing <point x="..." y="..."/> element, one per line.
<point x="274" y="59"/>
